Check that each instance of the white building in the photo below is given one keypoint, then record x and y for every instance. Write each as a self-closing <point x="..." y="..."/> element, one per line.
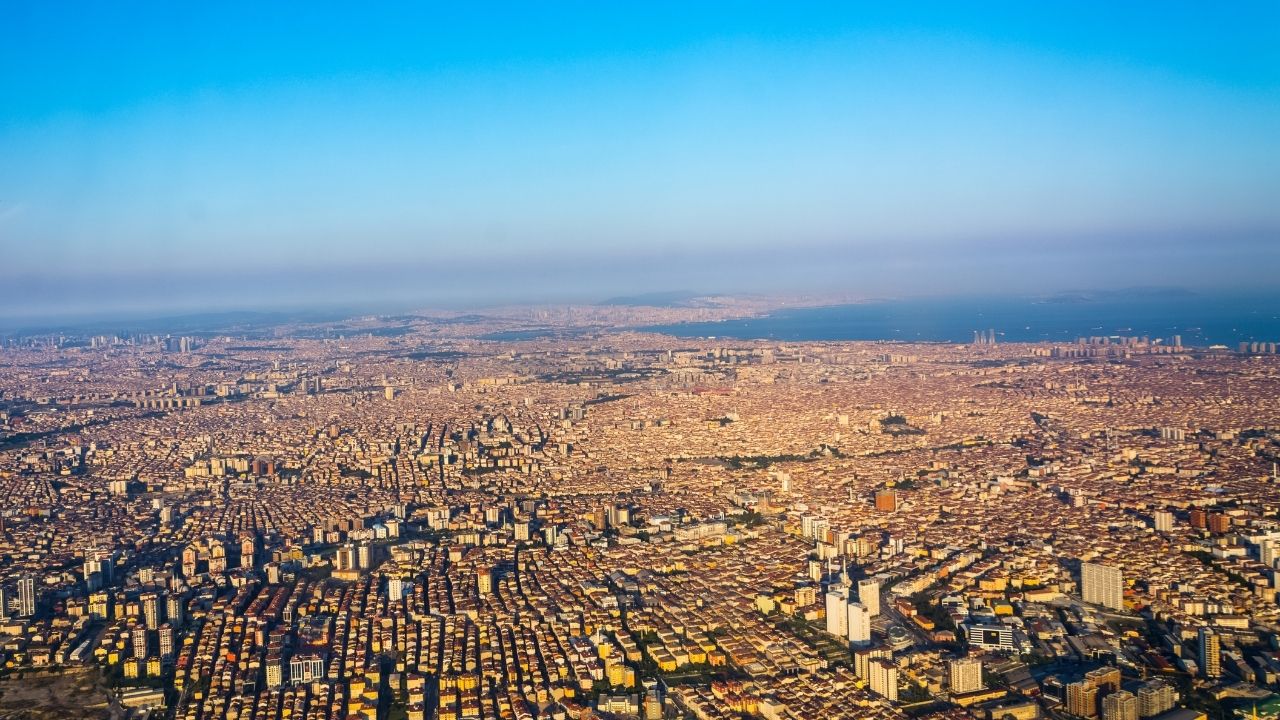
<point x="1102" y="585"/>
<point x="837" y="616"/>
<point x="869" y="595"/>
<point x="859" y="624"/>
<point x="884" y="678"/>
<point x="964" y="675"/>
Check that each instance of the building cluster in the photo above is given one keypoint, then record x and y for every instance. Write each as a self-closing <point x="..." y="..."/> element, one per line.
<point x="341" y="522"/>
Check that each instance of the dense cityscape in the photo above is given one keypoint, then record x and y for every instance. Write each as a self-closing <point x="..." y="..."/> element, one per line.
<point x="640" y="360"/>
<point x="459" y="517"/>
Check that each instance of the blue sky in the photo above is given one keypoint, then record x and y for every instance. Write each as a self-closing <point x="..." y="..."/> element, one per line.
<point x="237" y="155"/>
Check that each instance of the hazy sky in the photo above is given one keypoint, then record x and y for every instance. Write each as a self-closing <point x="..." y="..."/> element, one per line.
<point x="184" y="155"/>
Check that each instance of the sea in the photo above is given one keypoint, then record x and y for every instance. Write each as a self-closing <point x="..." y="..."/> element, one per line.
<point x="1199" y="319"/>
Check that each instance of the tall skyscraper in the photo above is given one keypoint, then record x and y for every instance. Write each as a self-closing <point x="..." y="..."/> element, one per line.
<point x="1102" y="585"/>
<point x="869" y="595"/>
<point x="859" y="624"/>
<point x="1210" y="658"/>
<point x="964" y="675"/>
<point x="4" y="603"/>
<point x="26" y="596"/>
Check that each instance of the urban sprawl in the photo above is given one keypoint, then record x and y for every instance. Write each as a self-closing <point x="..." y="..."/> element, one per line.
<point x="543" y="514"/>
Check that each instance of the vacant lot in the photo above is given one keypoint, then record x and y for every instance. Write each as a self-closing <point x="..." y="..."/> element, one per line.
<point x="75" y="693"/>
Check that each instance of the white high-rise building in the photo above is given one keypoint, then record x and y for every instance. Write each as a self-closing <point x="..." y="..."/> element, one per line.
<point x="166" y="640"/>
<point x="1269" y="551"/>
<point x="1162" y="521"/>
<point x="1120" y="705"/>
<point x="884" y="678"/>
<point x="397" y="588"/>
<point x="1102" y="585"/>
<point x="837" y="616"/>
<point x="859" y="624"/>
<point x="1156" y="697"/>
<point x="869" y="595"/>
<point x="964" y="675"/>
<point x="27" y="597"/>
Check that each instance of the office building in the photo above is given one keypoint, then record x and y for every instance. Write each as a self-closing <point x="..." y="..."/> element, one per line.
<point x="1102" y="585"/>
<point x="990" y="637"/>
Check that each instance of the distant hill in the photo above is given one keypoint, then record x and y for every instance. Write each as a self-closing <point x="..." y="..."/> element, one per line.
<point x="1133" y="293"/>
